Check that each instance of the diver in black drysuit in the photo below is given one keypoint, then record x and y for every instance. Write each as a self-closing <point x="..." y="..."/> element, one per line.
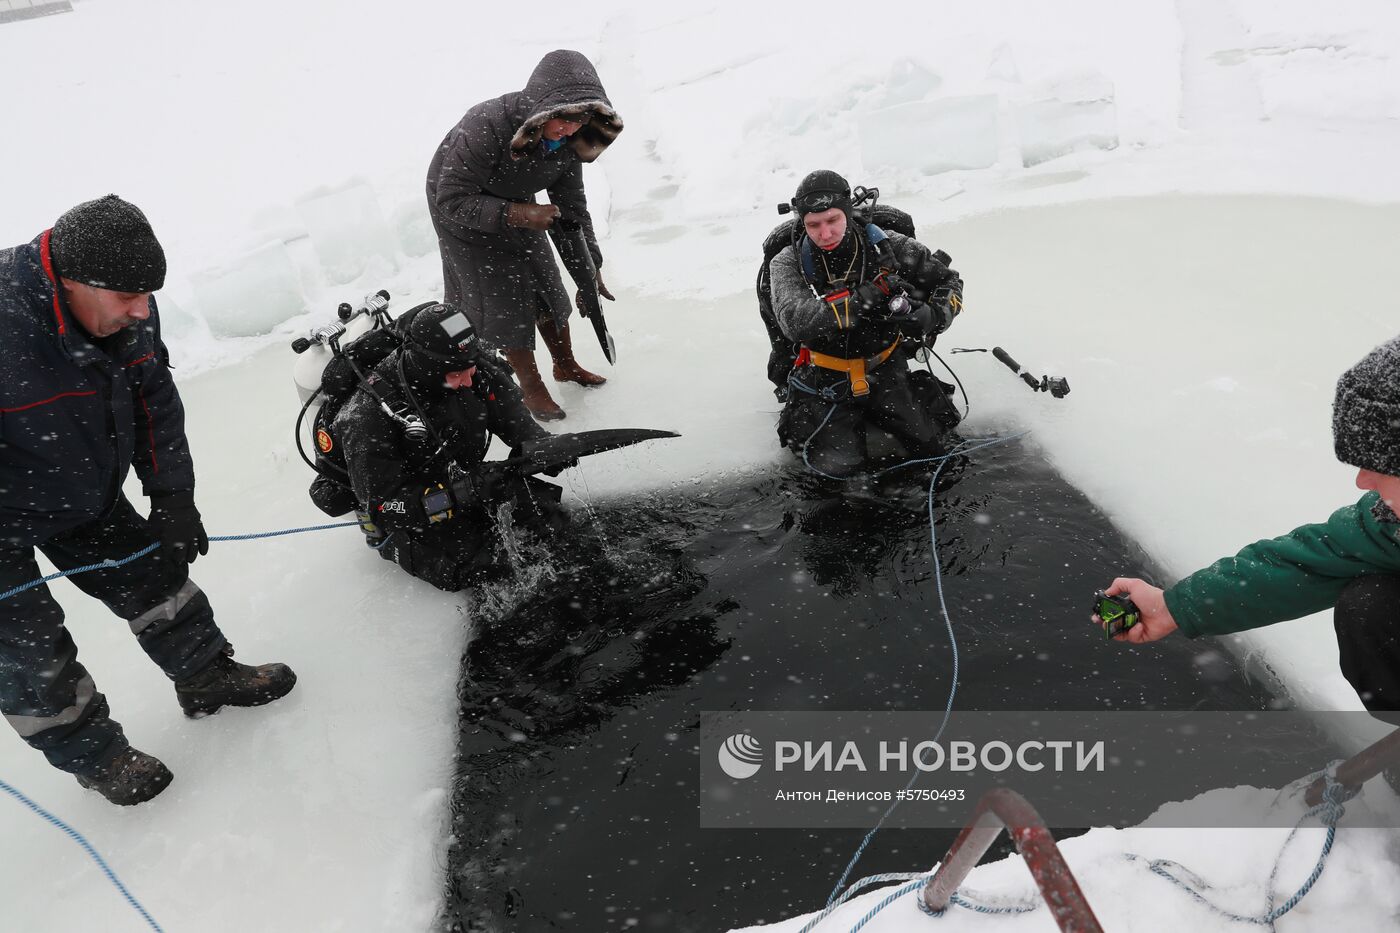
<point x="853" y="303"/>
<point x="423" y="418"/>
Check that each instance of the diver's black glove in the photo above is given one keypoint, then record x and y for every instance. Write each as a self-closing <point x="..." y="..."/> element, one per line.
<point x="484" y="483"/>
<point x="928" y="273"/>
<point x="916" y="320"/>
<point x="946" y="304"/>
<point x="877" y="297"/>
<point x="176" y="521"/>
<point x="870" y="299"/>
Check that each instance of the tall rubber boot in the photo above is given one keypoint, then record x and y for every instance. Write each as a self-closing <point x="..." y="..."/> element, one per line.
<point x="561" y="348"/>
<point x="537" y="398"/>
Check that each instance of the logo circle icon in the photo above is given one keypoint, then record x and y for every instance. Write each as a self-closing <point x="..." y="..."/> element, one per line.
<point x="741" y="756"/>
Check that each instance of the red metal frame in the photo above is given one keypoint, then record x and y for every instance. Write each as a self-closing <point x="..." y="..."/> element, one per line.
<point x="1005" y="809"/>
<point x="1361" y="767"/>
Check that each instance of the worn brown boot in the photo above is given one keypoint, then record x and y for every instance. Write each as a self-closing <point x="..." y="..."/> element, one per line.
<point x="127" y="778"/>
<point x="537" y="398"/>
<point x="225" y="682"/>
<point x="561" y="347"/>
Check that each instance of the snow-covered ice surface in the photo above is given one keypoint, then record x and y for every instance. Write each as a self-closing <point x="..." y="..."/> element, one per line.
<point x="1357" y="890"/>
<point x="1187" y="208"/>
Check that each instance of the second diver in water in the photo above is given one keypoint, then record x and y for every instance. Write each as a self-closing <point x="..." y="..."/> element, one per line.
<point x="847" y="304"/>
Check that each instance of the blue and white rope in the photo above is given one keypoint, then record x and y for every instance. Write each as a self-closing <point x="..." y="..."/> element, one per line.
<point x="113" y="563"/>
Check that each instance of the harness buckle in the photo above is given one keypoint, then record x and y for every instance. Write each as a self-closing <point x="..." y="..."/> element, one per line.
<point x="859" y="384"/>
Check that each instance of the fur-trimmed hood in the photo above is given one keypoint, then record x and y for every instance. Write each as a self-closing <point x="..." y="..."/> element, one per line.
<point x="564" y="84"/>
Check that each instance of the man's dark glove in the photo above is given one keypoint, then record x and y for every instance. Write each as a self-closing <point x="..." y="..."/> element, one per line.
<point x="483" y="483"/>
<point x="915" y="320"/>
<point x="175" y="520"/>
<point x="531" y="216"/>
<point x="946" y="304"/>
<point x="870" y="299"/>
<point x="895" y="283"/>
<point x="928" y="273"/>
<point x="878" y="297"/>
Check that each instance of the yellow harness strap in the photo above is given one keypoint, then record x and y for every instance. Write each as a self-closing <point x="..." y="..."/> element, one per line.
<point x="855" y="368"/>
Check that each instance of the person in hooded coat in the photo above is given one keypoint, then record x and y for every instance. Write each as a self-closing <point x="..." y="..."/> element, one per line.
<point x="482" y="181"/>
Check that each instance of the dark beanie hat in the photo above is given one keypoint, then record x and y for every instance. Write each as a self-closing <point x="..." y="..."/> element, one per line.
<point x="438" y="340"/>
<point x="108" y="243"/>
<point x="821" y="191"/>
<point x="1366" y="412"/>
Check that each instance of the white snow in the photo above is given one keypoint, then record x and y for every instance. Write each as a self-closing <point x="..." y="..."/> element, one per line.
<point x="348" y="232"/>
<point x="257" y="291"/>
<point x="932" y="136"/>
<point x="1075" y="111"/>
<point x="1187" y="208"/>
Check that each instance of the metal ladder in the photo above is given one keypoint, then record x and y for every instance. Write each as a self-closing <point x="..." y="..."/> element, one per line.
<point x="1005" y="809"/>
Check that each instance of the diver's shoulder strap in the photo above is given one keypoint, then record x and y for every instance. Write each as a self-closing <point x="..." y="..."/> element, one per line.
<point x="880" y="244"/>
<point x="809" y="264"/>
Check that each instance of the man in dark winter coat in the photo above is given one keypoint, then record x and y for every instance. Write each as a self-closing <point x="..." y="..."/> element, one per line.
<point x="1350" y="562"/>
<point x="413" y="439"/>
<point x="497" y="264"/>
<point x="86" y="393"/>
<point x="855" y="302"/>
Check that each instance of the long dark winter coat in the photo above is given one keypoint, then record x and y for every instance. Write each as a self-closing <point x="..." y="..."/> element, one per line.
<point x="502" y="277"/>
<point x="74" y="418"/>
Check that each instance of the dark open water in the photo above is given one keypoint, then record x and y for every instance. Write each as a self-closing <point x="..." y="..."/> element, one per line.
<point x="576" y="806"/>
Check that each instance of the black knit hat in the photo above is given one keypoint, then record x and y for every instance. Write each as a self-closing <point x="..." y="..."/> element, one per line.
<point x="821" y="191"/>
<point x="1366" y="412"/>
<point x="108" y="243"/>
<point x="438" y="340"/>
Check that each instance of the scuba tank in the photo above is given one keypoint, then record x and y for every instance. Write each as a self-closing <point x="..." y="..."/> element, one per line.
<point x="332" y="362"/>
<point x="323" y="344"/>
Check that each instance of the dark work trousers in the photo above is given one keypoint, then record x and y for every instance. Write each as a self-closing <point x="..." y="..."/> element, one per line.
<point x="1367" y="619"/>
<point x="45" y="693"/>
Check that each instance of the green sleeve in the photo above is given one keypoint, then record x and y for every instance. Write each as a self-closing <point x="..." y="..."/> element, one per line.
<point x="1285" y="578"/>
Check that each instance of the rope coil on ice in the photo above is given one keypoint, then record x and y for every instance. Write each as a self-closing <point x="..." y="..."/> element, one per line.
<point x="1332" y="809"/>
